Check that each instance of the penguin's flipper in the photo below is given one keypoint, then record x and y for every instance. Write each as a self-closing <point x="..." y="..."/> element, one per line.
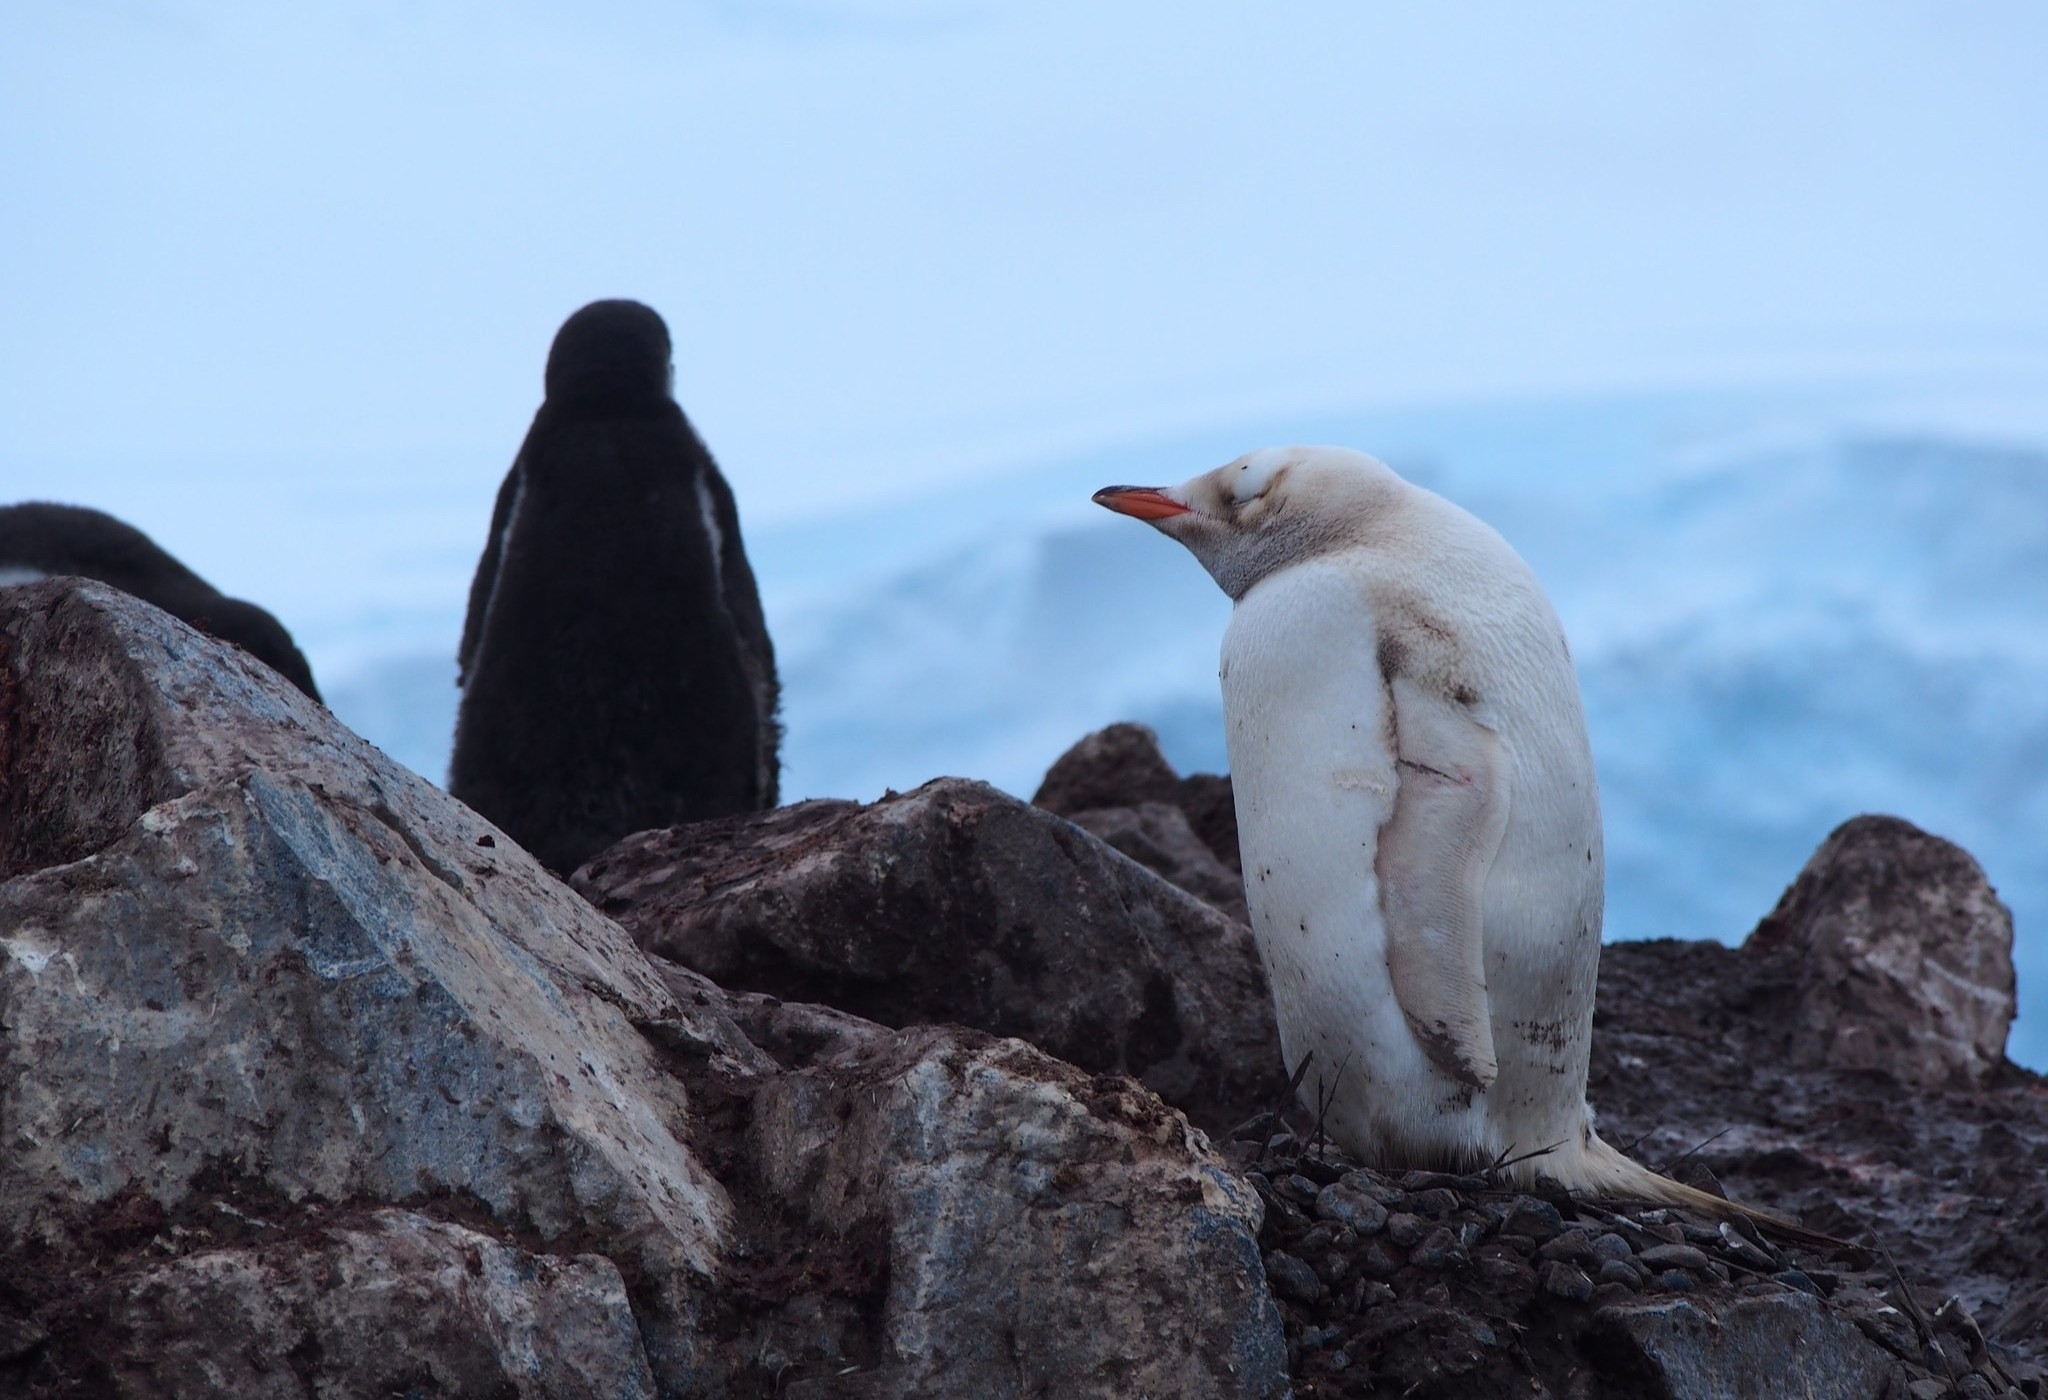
<point x="1450" y="811"/>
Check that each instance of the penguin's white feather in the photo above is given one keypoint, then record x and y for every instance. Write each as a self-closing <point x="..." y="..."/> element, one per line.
<point x="1417" y="812"/>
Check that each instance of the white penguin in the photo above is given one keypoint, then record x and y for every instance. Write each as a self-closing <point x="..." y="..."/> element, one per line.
<point x="1417" y="813"/>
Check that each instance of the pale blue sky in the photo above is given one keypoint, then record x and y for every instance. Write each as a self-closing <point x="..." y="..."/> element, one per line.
<point x="903" y="239"/>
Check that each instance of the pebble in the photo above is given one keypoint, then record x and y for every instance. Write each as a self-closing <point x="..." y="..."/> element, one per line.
<point x="1328" y="1234"/>
<point x="1316" y="1338"/>
<point x="1748" y="1251"/>
<point x="1340" y="1360"/>
<point x="1612" y="1246"/>
<point x="1334" y="1269"/>
<point x="1669" y="1234"/>
<point x="1975" y="1387"/>
<point x="1255" y="1128"/>
<point x="1406" y="1230"/>
<point x="1291" y="1278"/>
<point x="1676" y="1281"/>
<point x="1792" y="1278"/>
<point x="1521" y="1244"/>
<point x="1435" y="1202"/>
<point x="1571" y="1247"/>
<point x="1378" y="1262"/>
<point x="1608" y="1294"/>
<point x="1471" y="1232"/>
<point x="1374" y="1294"/>
<point x="1366" y="1184"/>
<point x="1504" y="1274"/>
<point x="1438" y="1248"/>
<point x="1298" y="1189"/>
<point x="1618" y="1271"/>
<point x="1351" y="1207"/>
<point x="1535" y="1219"/>
<point x="1674" y="1256"/>
<point x="1567" y="1281"/>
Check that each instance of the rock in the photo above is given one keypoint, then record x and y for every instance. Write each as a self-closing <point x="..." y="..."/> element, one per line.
<point x="1121" y="766"/>
<point x="1348" y="1207"/>
<point x="1566" y="1281"/>
<point x="394" y="1304"/>
<point x="1902" y="955"/>
<point x="1438" y="1249"/>
<point x="1673" y="1256"/>
<point x="1614" y="1271"/>
<point x="1291" y="1278"/>
<point x="1158" y="837"/>
<point x="1406" y="1230"/>
<point x="1039" y="1231"/>
<point x="253" y="968"/>
<point x="1774" y="1344"/>
<point x="958" y="903"/>
<point x="1533" y="1219"/>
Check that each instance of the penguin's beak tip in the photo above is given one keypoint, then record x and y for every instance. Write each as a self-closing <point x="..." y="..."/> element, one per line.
<point x="1140" y="502"/>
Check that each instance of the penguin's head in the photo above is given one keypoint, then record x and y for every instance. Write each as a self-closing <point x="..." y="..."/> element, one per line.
<point x="608" y="357"/>
<point x="1265" y="510"/>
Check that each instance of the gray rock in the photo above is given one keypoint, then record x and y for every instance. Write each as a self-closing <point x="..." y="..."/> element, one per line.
<point x="958" y="903"/>
<point x="1041" y="1231"/>
<point x="1533" y="1219"/>
<point x="1674" y="1256"/>
<point x="1362" y="1213"/>
<point x="1566" y="1281"/>
<point x="1291" y="1278"/>
<point x="1406" y="1230"/>
<point x="250" y="963"/>
<point x="1120" y="767"/>
<point x="1616" y="1271"/>
<point x="394" y="1304"/>
<point x="1719" y="1349"/>
<point x="1158" y="837"/>
<point x="1902" y="956"/>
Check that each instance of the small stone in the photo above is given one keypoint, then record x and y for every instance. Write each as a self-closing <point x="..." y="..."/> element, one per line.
<point x="1316" y="1338"/>
<point x="1328" y="1234"/>
<point x="1618" y="1271"/>
<point x="1366" y="1184"/>
<point x="1975" y="1387"/>
<point x="1521" y="1244"/>
<point x="1333" y="1270"/>
<point x="1674" y="1256"/>
<point x="1471" y="1232"/>
<point x="1503" y="1273"/>
<point x="1676" y="1281"/>
<point x="1608" y="1294"/>
<point x="1793" y="1278"/>
<point x="1282" y="1144"/>
<point x="1571" y="1247"/>
<point x="1340" y="1360"/>
<point x="1705" y="1236"/>
<point x="1256" y="1128"/>
<point x="1436" y="1296"/>
<point x="1374" y="1294"/>
<point x="1567" y="1282"/>
<point x="1406" y="1230"/>
<point x="1664" y="1232"/>
<point x="1348" y="1206"/>
<point x="1435" y="1202"/>
<point x="1612" y="1246"/>
<point x="1533" y="1218"/>
<point x="1927" y="1388"/>
<point x="1291" y="1278"/>
<point x="1438" y="1249"/>
<point x="1298" y="1189"/>
<point x="1378" y="1263"/>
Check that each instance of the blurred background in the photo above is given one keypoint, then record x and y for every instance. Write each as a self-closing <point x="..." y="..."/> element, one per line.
<point x="1731" y="316"/>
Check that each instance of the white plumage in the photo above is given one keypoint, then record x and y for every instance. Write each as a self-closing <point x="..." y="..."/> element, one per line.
<point x="1417" y="813"/>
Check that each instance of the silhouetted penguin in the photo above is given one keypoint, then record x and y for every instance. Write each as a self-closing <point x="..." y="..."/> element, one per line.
<point x="615" y="666"/>
<point x="41" y="540"/>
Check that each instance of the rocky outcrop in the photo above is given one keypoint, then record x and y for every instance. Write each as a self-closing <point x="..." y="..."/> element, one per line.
<point x="1896" y="955"/>
<point x="1117" y="786"/>
<point x="316" y="1084"/>
<point x="958" y="903"/>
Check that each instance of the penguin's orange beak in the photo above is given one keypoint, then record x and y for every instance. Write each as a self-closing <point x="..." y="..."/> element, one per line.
<point x="1142" y="502"/>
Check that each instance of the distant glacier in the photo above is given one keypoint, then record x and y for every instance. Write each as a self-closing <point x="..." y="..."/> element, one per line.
<point x="1785" y="610"/>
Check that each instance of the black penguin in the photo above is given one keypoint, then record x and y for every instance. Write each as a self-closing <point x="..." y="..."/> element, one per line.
<point x="39" y="539"/>
<point x="615" y="666"/>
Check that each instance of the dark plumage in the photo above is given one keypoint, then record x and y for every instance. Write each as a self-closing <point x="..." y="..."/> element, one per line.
<point x="615" y="664"/>
<point x="39" y="537"/>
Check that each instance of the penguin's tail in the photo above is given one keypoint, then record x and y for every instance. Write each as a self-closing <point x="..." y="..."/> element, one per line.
<point x="1599" y="1171"/>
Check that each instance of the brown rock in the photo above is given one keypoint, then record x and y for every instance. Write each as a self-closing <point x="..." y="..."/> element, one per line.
<point x="1901" y="953"/>
<point x="1121" y="766"/>
<point x="958" y="903"/>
